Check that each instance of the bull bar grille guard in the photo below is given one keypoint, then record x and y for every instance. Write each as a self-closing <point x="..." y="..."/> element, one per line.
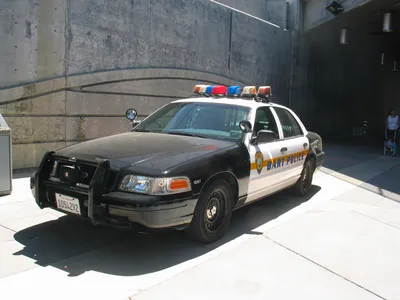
<point x="96" y="186"/>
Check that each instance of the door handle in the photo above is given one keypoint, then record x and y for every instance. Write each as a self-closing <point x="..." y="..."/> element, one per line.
<point x="305" y="145"/>
<point x="284" y="149"/>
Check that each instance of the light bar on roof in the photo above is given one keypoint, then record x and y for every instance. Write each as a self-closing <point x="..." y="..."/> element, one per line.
<point x="209" y="90"/>
<point x="249" y="91"/>
<point x="216" y="90"/>
<point x="234" y="91"/>
<point x="200" y="89"/>
<point x="264" y="91"/>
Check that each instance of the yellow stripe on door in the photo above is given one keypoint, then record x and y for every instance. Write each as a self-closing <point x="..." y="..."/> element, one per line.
<point x="281" y="161"/>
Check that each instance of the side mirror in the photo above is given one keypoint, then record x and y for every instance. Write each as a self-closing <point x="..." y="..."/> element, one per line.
<point x="265" y="136"/>
<point x="131" y="114"/>
<point x="245" y="126"/>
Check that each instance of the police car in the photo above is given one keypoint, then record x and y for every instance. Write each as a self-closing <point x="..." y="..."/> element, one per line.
<point x="186" y="166"/>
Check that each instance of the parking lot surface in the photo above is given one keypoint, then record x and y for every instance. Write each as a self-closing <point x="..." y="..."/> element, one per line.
<point x="341" y="242"/>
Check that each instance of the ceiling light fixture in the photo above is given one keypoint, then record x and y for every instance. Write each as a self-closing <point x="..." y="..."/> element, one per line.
<point x="387" y="22"/>
<point x="335" y="8"/>
<point x="343" y="36"/>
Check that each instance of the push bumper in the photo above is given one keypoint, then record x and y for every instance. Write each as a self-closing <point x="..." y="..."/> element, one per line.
<point x="113" y="208"/>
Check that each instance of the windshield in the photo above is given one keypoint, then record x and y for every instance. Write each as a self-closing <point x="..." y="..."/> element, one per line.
<point x="208" y="120"/>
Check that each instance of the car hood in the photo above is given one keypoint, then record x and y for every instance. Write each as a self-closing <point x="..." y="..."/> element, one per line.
<point x="143" y="149"/>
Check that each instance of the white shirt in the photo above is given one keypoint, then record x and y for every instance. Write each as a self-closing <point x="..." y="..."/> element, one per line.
<point x="393" y="123"/>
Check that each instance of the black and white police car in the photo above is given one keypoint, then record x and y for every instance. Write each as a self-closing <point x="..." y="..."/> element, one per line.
<point x="186" y="166"/>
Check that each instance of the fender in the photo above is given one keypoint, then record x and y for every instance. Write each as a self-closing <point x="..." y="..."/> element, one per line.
<point x="315" y="141"/>
<point x="315" y="149"/>
<point x="234" y="162"/>
<point x="210" y="178"/>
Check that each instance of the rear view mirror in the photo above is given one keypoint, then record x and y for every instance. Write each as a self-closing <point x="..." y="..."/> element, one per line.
<point x="131" y="114"/>
<point x="245" y="126"/>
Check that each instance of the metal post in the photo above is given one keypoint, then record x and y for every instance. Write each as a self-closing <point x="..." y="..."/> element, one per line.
<point x="5" y="158"/>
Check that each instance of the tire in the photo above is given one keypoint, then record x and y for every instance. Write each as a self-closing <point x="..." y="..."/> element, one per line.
<point x="303" y="185"/>
<point x="213" y="213"/>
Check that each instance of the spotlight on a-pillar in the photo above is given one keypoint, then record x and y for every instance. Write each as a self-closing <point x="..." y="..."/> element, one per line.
<point x="335" y="8"/>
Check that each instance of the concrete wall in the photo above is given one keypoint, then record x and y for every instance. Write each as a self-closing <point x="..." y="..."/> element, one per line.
<point x="284" y="13"/>
<point x="32" y="41"/>
<point x="70" y="69"/>
<point x="257" y="8"/>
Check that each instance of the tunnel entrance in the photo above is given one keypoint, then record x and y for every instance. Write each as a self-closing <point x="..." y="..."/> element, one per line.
<point x="354" y="78"/>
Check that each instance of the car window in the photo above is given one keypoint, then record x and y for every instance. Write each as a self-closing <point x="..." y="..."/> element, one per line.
<point x="264" y="121"/>
<point x="210" y="120"/>
<point x="290" y="126"/>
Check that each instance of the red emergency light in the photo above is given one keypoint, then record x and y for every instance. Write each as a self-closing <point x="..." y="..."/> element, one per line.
<point x="264" y="91"/>
<point x="217" y="90"/>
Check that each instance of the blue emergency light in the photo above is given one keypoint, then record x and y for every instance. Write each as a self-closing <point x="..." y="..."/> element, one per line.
<point x="209" y="89"/>
<point x="234" y="91"/>
<point x="216" y="90"/>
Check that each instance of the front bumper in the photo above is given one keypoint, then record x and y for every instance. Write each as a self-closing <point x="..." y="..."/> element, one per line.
<point x="111" y="208"/>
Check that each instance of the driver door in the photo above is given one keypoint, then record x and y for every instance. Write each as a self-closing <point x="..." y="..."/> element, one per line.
<point x="265" y="158"/>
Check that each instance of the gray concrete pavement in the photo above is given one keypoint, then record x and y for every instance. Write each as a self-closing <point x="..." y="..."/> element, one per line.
<point x="339" y="243"/>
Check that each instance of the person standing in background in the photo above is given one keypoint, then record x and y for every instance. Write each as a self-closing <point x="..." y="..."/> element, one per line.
<point x="392" y="124"/>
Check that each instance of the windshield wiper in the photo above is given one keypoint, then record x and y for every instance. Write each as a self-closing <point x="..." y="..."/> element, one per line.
<point x="186" y="133"/>
<point x="141" y="130"/>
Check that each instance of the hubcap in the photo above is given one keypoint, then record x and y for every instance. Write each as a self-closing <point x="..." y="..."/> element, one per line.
<point x="214" y="210"/>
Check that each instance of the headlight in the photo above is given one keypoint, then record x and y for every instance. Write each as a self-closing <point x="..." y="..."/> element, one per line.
<point x="155" y="186"/>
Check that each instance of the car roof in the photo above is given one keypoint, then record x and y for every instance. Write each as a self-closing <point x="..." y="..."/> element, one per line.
<point x="231" y="101"/>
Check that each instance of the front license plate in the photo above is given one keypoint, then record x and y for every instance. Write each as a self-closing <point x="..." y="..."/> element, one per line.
<point x="68" y="204"/>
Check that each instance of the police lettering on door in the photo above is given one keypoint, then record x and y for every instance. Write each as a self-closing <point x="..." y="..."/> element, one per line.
<point x="278" y="162"/>
<point x="285" y="160"/>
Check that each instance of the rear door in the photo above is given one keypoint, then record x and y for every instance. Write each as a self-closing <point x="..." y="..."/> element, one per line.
<point x="295" y="144"/>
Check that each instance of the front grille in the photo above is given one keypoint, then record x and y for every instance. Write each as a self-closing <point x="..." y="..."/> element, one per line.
<point x="79" y="174"/>
<point x="76" y="173"/>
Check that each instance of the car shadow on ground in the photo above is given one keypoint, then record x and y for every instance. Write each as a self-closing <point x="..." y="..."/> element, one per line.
<point x="75" y="246"/>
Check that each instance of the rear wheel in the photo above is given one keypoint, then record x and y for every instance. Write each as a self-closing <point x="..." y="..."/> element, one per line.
<point x="304" y="183"/>
<point x="213" y="213"/>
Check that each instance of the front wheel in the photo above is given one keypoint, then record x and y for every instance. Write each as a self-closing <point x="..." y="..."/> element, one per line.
<point x="213" y="213"/>
<point x="304" y="183"/>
